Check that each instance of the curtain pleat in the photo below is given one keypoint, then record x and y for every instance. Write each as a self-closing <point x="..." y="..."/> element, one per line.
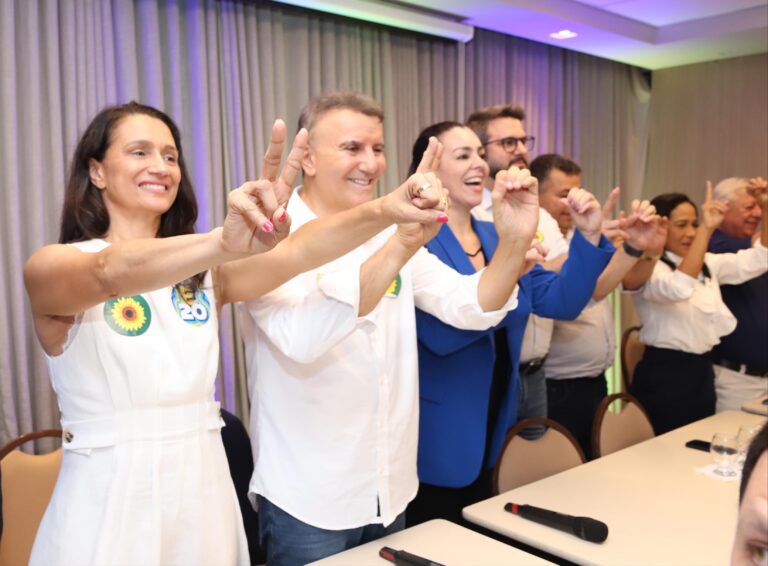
<point x="709" y="121"/>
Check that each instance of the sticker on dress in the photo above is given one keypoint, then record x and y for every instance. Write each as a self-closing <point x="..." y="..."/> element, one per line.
<point x="128" y="316"/>
<point x="192" y="306"/>
<point x="394" y="288"/>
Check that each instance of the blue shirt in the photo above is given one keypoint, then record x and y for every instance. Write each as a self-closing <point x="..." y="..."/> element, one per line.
<point x="748" y="302"/>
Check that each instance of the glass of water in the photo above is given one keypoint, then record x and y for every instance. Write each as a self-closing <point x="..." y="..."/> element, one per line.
<point x="725" y="452"/>
<point x="744" y="439"/>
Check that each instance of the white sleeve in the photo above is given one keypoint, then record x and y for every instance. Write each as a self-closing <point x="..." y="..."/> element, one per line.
<point x="550" y="235"/>
<point x="667" y="286"/>
<point x="735" y="268"/>
<point x="452" y="297"/>
<point x="307" y="316"/>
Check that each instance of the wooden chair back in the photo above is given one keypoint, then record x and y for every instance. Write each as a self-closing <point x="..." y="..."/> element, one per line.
<point x="614" y="431"/>
<point x="27" y="485"/>
<point x="525" y="461"/>
<point x="631" y="353"/>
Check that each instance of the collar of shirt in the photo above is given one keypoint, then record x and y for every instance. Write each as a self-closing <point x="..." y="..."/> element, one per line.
<point x="677" y="260"/>
<point x="299" y="210"/>
<point x="674" y="258"/>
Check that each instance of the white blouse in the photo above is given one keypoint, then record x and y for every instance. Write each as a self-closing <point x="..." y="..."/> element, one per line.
<point x="680" y="312"/>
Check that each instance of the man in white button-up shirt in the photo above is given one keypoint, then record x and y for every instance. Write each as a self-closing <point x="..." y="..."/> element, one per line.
<point x="581" y="350"/>
<point x="333" y="374"/>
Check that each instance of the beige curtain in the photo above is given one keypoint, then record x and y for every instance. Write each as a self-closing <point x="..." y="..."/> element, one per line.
<point x="591" y="109"/>
<point x="225" y="70"/>
<point x="709" y="121"/>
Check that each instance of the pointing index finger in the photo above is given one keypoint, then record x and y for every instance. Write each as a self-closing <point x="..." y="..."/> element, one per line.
<point x="272" y="157"/>
<point x="611" y="202"/>
<point x="431" y="158"/>
<point x="292" y="165"/>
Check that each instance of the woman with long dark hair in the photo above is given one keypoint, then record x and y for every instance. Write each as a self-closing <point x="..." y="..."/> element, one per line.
<point x="469" y="380"/>
<point x="126" y="309"/>
<point x="683" y="315"/>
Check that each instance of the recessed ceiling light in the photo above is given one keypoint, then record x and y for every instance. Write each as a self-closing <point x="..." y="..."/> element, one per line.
<point x="563" y="34"/>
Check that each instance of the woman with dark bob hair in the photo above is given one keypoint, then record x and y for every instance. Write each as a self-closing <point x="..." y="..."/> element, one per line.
<point x="683" y="315"/>
<point x="469" y="380"/>
<point x="126" y="309"/>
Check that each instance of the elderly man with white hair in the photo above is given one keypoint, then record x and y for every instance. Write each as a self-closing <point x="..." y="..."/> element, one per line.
<point x="741" y="359"/>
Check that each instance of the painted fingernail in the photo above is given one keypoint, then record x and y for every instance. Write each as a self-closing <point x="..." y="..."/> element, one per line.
<point x="442" y="218"/>
<point x="267" y="226"/>
<point x="283" y="216"/>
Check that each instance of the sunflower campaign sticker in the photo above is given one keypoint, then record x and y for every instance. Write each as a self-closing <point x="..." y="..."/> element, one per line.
<point x="192" y="306"/>
<point x="128" y="316"/>
<point x="394" y="288"/>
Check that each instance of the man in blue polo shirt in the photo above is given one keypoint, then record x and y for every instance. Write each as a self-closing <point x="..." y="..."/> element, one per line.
<point x="741" y="359"/>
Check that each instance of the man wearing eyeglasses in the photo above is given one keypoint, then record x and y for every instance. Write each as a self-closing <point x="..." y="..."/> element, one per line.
<point x="502" y="133"/>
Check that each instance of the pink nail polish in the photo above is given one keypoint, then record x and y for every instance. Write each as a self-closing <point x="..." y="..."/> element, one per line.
<point x="442" y="218"/>
<point x="267" y="226"/>
<point x="283" y="216"/>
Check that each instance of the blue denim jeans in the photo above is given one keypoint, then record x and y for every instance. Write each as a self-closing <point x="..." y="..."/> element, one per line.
<point x="532" y="402"/>
<point x="290" y="542"/>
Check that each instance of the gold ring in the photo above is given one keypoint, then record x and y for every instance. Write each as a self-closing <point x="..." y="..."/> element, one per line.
<point x="444" y="202"/>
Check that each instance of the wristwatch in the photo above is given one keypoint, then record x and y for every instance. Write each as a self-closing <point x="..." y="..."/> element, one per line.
<point x="629" y="250"/>
<point x="650" y="257"/>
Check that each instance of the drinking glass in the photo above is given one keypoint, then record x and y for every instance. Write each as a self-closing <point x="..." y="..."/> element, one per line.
<point x="725" y="450"/>
<point x="744" y="439"/>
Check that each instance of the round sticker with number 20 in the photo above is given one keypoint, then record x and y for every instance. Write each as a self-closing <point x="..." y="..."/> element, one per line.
<point x="192" y="306"/>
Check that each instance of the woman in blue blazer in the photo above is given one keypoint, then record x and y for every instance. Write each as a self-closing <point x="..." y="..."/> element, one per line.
<point x="469" y="380"/>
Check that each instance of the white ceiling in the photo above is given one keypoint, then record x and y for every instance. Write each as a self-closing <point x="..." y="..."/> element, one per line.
<point x="648" y="33"/>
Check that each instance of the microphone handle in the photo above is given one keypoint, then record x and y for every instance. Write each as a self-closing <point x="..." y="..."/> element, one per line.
<point x="559" y="521"/>
<point x="585" y="528"/>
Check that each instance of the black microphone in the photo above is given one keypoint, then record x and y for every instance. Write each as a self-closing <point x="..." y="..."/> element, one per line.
<point x="403" y="558"/>
<point x="585" y="528"/>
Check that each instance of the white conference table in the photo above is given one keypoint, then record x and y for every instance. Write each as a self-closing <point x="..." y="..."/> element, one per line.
<point x="658" y="509"/>
<point x="440" y="541"/>
<point x="757" y="406"/>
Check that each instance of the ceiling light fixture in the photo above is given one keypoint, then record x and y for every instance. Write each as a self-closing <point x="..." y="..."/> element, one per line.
<point x="563" y="34"/>
<point x="390" y="15"/>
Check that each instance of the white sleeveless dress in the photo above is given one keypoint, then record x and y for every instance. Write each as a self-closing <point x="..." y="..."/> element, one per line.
<point x="144" y="476"/>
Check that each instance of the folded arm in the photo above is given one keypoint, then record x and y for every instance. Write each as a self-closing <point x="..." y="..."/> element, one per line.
<point x="564" y="296"/>
<point x="515" y="216"/>
<point x="309" y="315"/>
<point x="324" y="239"/>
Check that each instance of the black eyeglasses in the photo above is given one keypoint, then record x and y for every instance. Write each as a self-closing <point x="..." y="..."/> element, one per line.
<point x="510" y="144"/>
